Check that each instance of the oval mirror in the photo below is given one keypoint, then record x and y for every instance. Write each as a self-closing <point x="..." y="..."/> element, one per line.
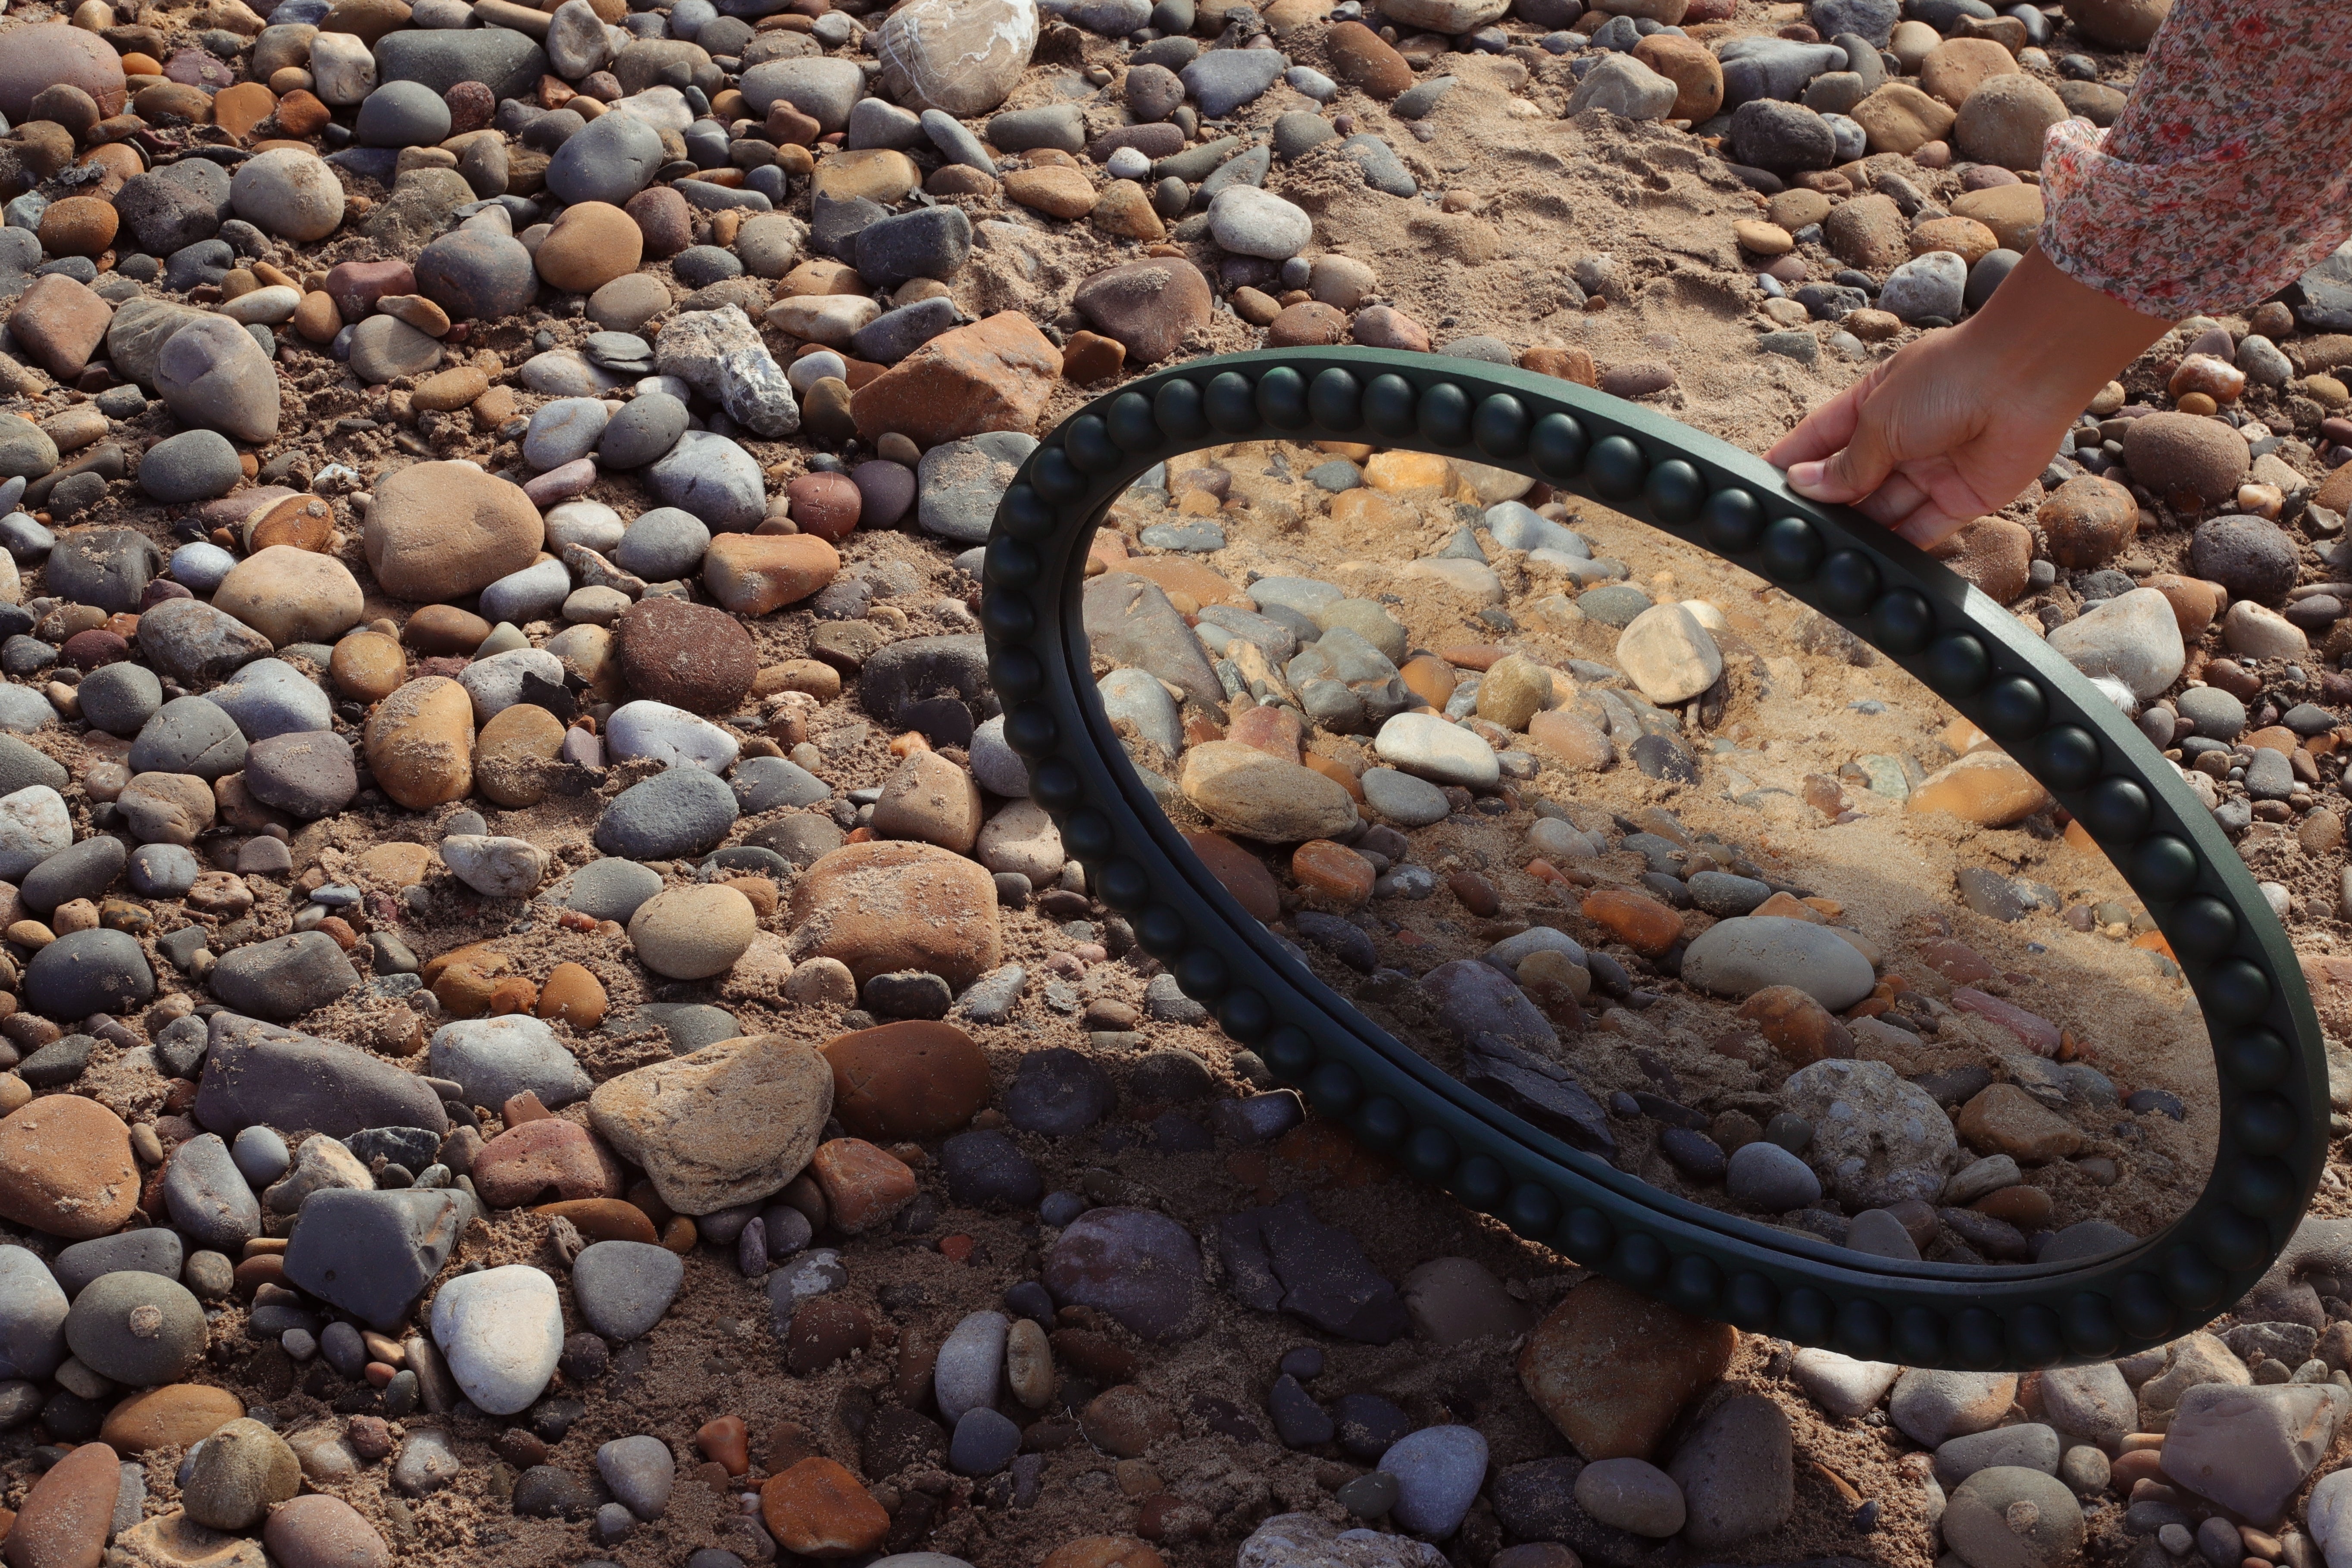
<point x="1704" y="883"/>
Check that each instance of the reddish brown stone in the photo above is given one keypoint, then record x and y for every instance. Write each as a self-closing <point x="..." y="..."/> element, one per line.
<point x="1613" y="1368"/>
<point x="65" y="1167"/>
<point x="727" y="1441"/>
<point x="913" y="1079"/>
<point x="1310" y="324"/>
<point x="603" y="1218"/>
<point x="863" y="1185"/>
<point x="825" y="504"/>
<point x="1244" y="874"/>
<point x="1149" y="307"/>
<point x="471" y="104"/>
<point x="1361" y="59"/>
<point x="66" y="1516"/>
<point x="663" y="217"/>
<point x="1088" y="358"/>
<point x="59" y="323"/>
<point x="688" y="655"/>
<point x="995" y="375"/>
<point x="818" y="1508"/>
<point x="1641" y="921"/>
<point x="1335" y="871"/>
<point x="356" y="285"/>
<point x="822" y="1332"/>
<point x="523" y="1162"/>
<point x="1798" y="1027"/>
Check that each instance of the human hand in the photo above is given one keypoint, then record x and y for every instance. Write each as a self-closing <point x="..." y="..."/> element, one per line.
<point x="1957" y="422"/>
<point x="1924" y="443"/>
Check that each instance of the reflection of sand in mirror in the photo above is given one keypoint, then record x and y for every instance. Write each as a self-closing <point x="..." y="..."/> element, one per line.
<point x="1635" y="843"/>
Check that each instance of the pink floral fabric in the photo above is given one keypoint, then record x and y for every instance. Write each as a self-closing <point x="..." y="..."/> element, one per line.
<point x="2227" y="174"/>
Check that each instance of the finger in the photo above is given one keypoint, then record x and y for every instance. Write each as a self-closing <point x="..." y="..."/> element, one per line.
<point x="1931" y="524"/>
<point x="1852" y="471"/>
<point x="1823" y="430"/>
<point x="1891" y="502"/>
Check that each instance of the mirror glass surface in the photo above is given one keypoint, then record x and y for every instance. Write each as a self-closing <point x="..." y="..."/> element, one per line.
<point x="1645" y="851"/>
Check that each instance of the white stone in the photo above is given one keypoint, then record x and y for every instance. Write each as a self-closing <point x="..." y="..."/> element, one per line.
<point x="663" y="108"/>
<point x="1669" y="654"/>
<point x="590" y="524"/>
<point x="719" y="354"/>
<point x="962" y="56"/>
<point x="1877" y="1137"/>
<point x="1247" y="221"/>
<point x="501" y="1332"/>
<point x="1473" y="580"/>
<point x="34" y="825"/>
<point x="1022" y="838"/>
<point x="343" y="68"/>
<point x="670" y="736"/>
<point x="2132" y="637"/>
<point x="1427" y="746"/>
<point x="969" y="1370"/>
<point x="1452" y="17"/>
<point x="2262" y="633"/>
<point x="2328" y="1514"/>
<point x="495" y="867"/>
<point x="267" y="305"/>
<point x="1840" y="1384"/>
<point x="1740" y="957"/>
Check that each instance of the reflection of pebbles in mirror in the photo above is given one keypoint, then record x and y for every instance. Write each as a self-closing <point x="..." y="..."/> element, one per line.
<point x="1641" y="849"/>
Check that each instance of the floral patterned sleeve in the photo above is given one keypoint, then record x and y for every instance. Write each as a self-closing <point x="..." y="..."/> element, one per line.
<point x="2228" y="173"/>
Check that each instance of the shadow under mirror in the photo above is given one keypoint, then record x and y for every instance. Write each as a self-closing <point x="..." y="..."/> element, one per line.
<point x="1648" y="854"/>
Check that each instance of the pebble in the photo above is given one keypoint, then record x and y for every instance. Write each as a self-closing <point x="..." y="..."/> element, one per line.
<point x="495" y="1059"/>
<point x="639" y="1470"/>
<point x="501" y="1332"/>
<point x="1768" y="1178"/>
<point x="136" y="1328"/>
<point x="1738" y="957"/>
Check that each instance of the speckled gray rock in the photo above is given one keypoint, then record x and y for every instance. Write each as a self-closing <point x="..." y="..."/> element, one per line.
<point x="136" y="1328"/>
<point x="685" y="811"/>
<point x="284" y="978"/>
<point x="272" y="697"/>
<point x="610" y="161"/>
<point x="32" y="1315"/>
<point x="622" y="1288"/>
<point x="85" y="972"/>
<point x="496" y="1059"/>
<point x="120" y="698"/>
<point x="373" y="1253"/>
<point x="713" y="478"/>
<point x="189" y="735"/>
<point x="607" y="889"/>
<point x="193" y="466"/>
<point x="209" y="1197"/>
<point x="663" y="543"/>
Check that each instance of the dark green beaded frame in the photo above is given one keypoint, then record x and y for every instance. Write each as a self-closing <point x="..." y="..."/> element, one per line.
<point x="2269" y="1063"/>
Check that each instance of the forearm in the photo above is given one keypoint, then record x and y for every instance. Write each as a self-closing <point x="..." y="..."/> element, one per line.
<point x="2229" y="170"/>
<point x="2053" y="341"/>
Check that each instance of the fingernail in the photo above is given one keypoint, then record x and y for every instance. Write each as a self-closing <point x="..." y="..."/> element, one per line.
<point x="1805" y="475"/>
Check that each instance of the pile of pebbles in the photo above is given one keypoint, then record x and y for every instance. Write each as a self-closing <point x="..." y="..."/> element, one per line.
<point x="541" y="1026"/>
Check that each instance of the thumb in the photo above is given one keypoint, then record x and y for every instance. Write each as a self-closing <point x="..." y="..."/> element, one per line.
<point x="1852" y="471"/>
